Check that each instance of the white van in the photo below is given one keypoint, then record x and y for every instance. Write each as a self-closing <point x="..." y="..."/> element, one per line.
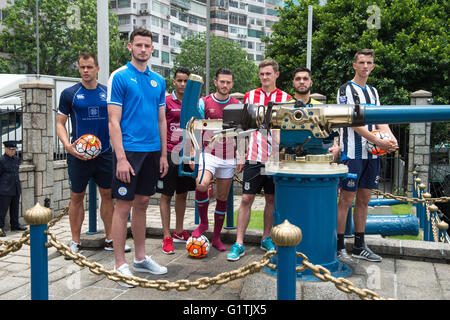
<point x="11" y="105"/>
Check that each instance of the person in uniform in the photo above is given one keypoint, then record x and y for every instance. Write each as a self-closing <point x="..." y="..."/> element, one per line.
<point x="10" y="188"/>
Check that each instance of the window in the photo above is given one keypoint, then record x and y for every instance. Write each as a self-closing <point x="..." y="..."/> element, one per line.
<point x="144" y="6"/>
<point x="219" y="27"/>
<point x="219" y="15"/>
<point x="124" y="19"/>
<point x="271" y="12"/>
<point x="155" y="37"/>
<point x="124" y="3"/>
<point x="255" y="9"/>
<point x="113" y="4"/>
<point x="165" y="40"/>
<point x="165" y="57"/>
<point x="255" y="33"/>
<point x="155" y="53"/>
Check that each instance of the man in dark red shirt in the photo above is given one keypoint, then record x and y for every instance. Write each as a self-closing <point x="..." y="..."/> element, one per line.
<point x="171" y="182"/>
<point x="219" y="159"/>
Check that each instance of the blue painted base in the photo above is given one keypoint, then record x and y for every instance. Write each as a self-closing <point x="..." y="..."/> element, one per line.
<point x="337" y="269"/>
<point x="91" y="232"/>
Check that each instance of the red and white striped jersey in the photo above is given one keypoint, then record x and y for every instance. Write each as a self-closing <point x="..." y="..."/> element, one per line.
<point x="259" y="146"/>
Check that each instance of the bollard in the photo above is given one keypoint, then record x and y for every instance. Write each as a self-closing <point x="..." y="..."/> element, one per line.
<point x="427" y="229"/>
<point x="230" y="209"/>
<point x="286" y="236"/>
<point x="38" y="217"/>
<point x="92" y="208"/>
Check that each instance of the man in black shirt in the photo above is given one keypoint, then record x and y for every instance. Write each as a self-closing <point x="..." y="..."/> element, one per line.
<point x="10" y="188"/>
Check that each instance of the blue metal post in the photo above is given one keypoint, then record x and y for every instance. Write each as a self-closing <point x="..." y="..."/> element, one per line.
<point x="92" y="208"/>
<point x="38" y="217"/>
<point x="39" y="262"/>
<point x="230" y="209"/>
<point x="286" y="274"/>
<point x="349" y="225"/>
<point x="309" y="201"/>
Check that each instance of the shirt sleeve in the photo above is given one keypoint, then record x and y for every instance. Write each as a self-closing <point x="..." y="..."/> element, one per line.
<point x="115" y="90"/>
<point x="162" y="98"/>
<point x="65" y="103"/>
<point x="201" y="108"/>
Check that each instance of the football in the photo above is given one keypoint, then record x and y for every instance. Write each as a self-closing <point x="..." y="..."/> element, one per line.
<point x="197" y="247"/>
<point x="88" y="145"/>
<point x="374" y="149"/>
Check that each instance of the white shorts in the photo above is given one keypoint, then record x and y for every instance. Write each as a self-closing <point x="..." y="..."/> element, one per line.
<point x="221" y="168"/>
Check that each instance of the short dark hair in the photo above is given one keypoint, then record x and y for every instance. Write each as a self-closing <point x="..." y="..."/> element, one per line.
<point x="224" y="71"/>
<point x="366" y="52"/>
<point x="141" y="32"/>
<point x="181" y="70"/>
<point x="301" y="69"/>
<point x="86" y="55"/>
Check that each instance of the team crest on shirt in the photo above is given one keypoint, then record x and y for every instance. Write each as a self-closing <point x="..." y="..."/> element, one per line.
<point x="122" y="191"/>
<point x="350" y="183"/>
<point x="102" y="96"/>
<point x="343" y="99"/>
<point x="153" y="83"/>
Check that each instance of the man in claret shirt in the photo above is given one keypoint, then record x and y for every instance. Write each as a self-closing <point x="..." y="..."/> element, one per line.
<point x="259" y="149"/>
<point x="219" y="159"/>
<point x="172" y="182"/>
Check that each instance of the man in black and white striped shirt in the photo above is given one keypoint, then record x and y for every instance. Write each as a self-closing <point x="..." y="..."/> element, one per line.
<point x="364" y="168"/>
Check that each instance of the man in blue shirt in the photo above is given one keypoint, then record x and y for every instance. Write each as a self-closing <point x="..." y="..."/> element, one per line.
<point x="138" y="129"/>
<point x="85" y="104"/>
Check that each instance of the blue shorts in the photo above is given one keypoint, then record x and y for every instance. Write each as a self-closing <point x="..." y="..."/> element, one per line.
<point x="362" y="173"/>
<point x="99" y="169"/>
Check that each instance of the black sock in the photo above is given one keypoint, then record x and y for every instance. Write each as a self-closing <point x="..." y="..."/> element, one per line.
<point x="340" y="242"/>
<point x="359" y="239"/>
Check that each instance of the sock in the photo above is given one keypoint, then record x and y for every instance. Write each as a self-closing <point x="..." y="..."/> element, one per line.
<point x="359" y="239"/>
<point x="340" y="242"/>
<point x="202" y="202"/>
<point x="219" y="217"/>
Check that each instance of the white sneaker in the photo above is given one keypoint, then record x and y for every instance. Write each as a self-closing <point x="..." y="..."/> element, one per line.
<point x="125" y="270"/>
<point x="343" y="256"/>
<point x="148" y="265"/>
<point x="74" y="247"/>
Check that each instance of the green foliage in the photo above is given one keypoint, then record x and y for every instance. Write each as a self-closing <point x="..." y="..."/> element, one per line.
<point x="65" y="29"/>
<point x="411" y="45"/>
<point x="223" y="54"/>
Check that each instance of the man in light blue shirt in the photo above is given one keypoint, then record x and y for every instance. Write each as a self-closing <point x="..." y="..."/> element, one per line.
<point x="138" y="131"/>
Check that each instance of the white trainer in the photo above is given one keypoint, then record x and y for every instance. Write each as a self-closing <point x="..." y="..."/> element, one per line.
<point x="125" y="270"/>
<point x="149" y="265"/>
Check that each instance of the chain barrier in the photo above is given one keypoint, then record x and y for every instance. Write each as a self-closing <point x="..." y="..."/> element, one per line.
<point x="203" y="283"/>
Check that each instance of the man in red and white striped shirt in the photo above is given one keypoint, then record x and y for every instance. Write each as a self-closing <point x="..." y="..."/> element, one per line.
<point x="259" y="149"/>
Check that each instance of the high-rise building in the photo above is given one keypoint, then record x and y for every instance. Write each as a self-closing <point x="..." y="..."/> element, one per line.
<point x="242" y="21"/>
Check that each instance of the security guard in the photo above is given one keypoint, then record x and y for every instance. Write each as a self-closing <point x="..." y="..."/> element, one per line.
<point x="10" y="188"/>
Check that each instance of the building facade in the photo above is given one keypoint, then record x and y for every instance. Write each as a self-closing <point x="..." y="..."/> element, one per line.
<point x="169" y="20"/>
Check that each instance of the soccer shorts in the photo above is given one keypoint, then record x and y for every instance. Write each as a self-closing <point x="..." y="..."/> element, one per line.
<point x="146" y="173"/>
<point x="172" y="182"/>
<point x="255" y="179"/>
<point x="221" y="168"/>
<point x="100" y="169"/>
<point x="362" y="173"/>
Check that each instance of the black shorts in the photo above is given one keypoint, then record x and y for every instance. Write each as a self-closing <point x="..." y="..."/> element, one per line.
<point x="172" y="182"/>
<point x="254" y="180"/>
<point x="146" y="173"/>
<point x="362" y="173"/>
<point x="100" y="169"/>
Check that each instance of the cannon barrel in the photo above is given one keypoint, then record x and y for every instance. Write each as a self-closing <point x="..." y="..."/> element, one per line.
<point x="405" y="114"/>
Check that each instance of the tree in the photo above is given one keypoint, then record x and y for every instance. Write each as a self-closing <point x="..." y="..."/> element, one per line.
<point x="65" y="29"/>
<point x="409" y="38"/>
<point x="223" y="53"/>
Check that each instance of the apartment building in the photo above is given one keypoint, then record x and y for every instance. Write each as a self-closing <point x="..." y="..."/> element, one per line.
<point x="242" y="21"/>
